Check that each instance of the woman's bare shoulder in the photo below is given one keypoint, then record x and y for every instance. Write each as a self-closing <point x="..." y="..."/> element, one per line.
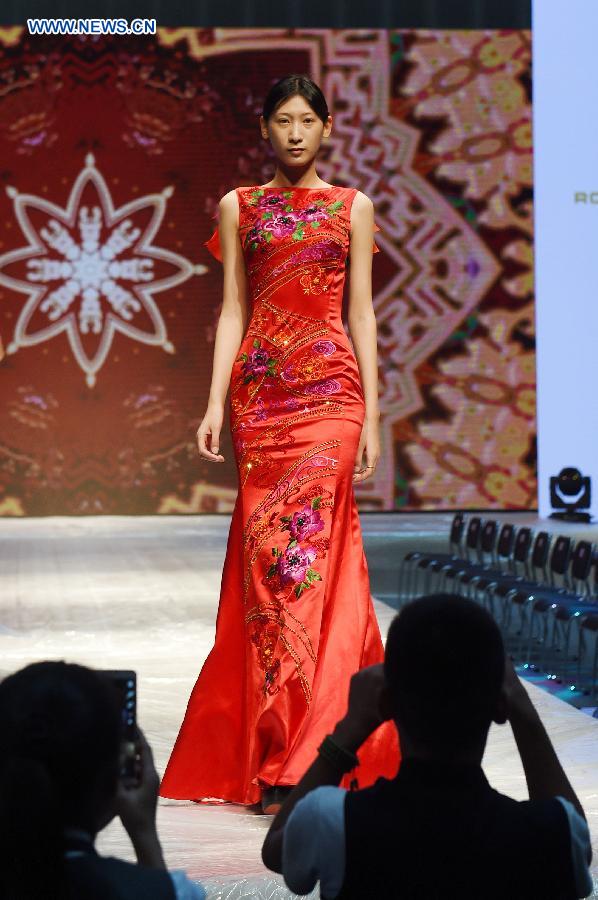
<point x="229" y="200"/>
<point x="361" y="201"/>
<point x="362" y="211"/>
<point x="229" y="208"/>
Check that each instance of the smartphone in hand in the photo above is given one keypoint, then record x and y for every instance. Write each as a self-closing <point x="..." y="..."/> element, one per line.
<point x="125" y="685"/>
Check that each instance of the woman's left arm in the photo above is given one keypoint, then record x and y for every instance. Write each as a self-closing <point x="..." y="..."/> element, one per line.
<point x="363" y="330"/>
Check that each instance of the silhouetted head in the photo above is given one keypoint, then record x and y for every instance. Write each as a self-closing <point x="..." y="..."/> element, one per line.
<point x="444" y="669"/>
<point x="59" y="762"/>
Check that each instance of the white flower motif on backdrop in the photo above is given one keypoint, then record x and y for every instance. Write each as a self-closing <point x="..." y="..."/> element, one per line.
<point x="90" y="271"/>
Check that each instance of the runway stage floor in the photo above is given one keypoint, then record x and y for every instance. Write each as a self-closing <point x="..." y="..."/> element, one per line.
<point x="142" y="593"/>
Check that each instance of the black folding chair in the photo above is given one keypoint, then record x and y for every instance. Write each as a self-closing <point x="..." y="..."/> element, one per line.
<point x="469" y="575"/>
<point x="417" y="561"/>
<point x="444" y="571"/>
<point x="555" y="614"/>
<point x="513" y="551"/>
<point x="526" y="597"/>
<point x="588" y="654"/>
<point x="503" y="587"/>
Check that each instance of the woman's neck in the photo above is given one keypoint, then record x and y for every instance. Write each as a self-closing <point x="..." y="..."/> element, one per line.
<point x="297" y="178"/>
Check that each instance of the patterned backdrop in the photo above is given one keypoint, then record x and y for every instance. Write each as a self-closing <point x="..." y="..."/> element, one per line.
<point x="115" y="152"/>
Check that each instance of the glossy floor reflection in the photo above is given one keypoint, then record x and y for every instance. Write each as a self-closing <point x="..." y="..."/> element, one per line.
<point x="142" y="593"/>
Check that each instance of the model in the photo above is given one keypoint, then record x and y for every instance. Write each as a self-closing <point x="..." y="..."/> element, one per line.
<point x="296" y="617"/>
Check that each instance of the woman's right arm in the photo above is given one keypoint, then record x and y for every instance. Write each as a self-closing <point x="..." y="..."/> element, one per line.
<point x="231" y="326"/>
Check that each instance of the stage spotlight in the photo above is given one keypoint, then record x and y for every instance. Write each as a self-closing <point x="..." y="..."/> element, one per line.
<point x="570" y="493"/>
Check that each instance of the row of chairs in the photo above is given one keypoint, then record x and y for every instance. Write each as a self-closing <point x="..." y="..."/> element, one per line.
<point x="541" y="589"/>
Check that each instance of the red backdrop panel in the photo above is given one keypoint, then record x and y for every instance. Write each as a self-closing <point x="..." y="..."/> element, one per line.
<point x="114" y="155"/>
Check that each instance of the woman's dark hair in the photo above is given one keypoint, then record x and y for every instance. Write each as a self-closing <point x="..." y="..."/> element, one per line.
<point x="444" y="668"/>
<point x="290" y="86"/>
<point x="59" y="753"/>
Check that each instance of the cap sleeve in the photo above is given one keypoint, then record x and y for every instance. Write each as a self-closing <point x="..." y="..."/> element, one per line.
<point x="375" y="249"/>
<point x="213" y="245"/>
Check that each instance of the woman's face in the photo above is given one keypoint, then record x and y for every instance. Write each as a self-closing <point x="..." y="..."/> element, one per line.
<point x="295" y="126"/>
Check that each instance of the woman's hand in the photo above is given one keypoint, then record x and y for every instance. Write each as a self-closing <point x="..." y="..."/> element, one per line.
<point x="211" y="425"/>
<point x="370" y="443"/>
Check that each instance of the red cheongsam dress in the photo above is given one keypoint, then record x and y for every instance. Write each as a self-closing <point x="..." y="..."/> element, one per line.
<point x="295" y="617"/>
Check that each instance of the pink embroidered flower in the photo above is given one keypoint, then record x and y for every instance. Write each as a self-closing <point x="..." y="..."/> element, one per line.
<point x="254" y="236"/>
<point x="293" y="563"/>
<point x="323" y="388"/>
<point x="305" y="522"/>
<point x="282" y="225"/>
<point x="257" y="362"/>
<point x="289" y="373"/>
<point x="262" y="411"/>
<point x="315" y="214"/>
<point x="271" y="202"/>
<point x="326" y="348"/>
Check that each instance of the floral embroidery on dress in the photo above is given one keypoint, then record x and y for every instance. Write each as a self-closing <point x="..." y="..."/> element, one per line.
<point x="293" y="564"/>
<point x="266" y="632"/>
<point x="324" y="388"/>
<point x="268" y="410"/>
<point x="315" y="282"/>
<point x="310" y="367"/>
<point x="280" y="219"/>
<point x="305" y="522"/>
<point x="326" y="348"/>
<point x="286" y="579"/>
<point x="318" y="251"/>
<point x="257" y="362"/>
<point x="292" y="569"/>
